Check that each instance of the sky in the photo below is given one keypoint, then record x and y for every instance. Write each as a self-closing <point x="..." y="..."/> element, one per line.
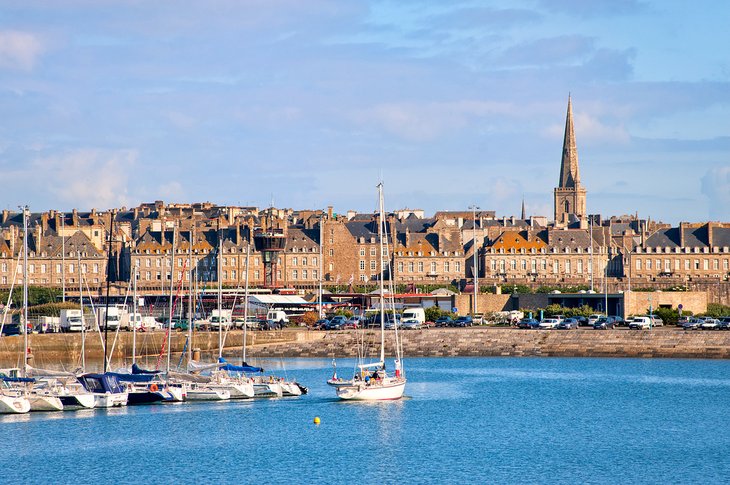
<point x="311" y="103"/>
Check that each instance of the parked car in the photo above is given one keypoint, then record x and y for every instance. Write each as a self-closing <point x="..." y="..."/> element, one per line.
<point x="559" y="318"/>
<point x="593" y="318"/>
<point x="619" y="321"/>
<point x="549" y="323"/>
<point x="710" y="324"/>
<point x="464" y="321"/>
<point x="582" y="321"/>
<point x="336" y="323"/>
<point x="657" y="321"/>
<point x="354" y="322"/>
<point x="528" y="323"/>
<point x="724" y="323"/>
<point x="444" y="322"/>
<point x="604" y="323"/>
<point x="692" y="324"/>
<point x="321" y="324"/>
<point x="682" y="320"/>
<point x="568" y="324"/>
<point x="411" y="324"/>
<point x="273" y="325"/>
<point x="640" y="323"/>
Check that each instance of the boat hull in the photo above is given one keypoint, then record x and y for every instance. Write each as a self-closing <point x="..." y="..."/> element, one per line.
<point x="110" y="400"/>
<point x="359" y="391"/>
<point x="45" y="403"/>
<point x="14" y="405"/>
<point x="145" y="397"/>
<point x="74" y="402"/>
<point x="268" y="390"/>
<point x="290" y="389"/>
<point x="208" y="395"/>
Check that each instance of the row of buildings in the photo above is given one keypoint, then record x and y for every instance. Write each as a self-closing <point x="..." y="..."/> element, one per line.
<point x="300" y="248"/>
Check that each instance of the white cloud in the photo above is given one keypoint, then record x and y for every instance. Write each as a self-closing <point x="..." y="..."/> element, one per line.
<point x="716" y="186"/>
<point x="426" y="121"/>
<point x="86" y="177"/>
<point x="19" y="50"/>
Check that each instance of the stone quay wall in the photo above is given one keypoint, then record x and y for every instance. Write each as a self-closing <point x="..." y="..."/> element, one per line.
<point x="484" y="341"/>
<point x="667" y="342"/>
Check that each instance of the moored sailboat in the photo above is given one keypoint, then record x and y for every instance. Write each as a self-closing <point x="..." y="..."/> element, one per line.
<point x="372" y="382"/>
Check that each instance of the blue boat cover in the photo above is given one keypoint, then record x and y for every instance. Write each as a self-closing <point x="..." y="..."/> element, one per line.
<point x="124" y="377"/>
<point x="101" y="383"/>
<point x="138" y="370"/>
<point x="5" y="378"/>
<point x="238" y="368"/>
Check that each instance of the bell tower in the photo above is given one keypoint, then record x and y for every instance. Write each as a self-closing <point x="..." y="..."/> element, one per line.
<point x="569" y="195"/>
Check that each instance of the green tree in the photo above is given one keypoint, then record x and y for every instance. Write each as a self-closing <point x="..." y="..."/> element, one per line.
<point x="433" y="313"/>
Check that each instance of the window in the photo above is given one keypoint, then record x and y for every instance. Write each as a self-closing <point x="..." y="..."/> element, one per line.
<point x="705" y="264"/>
<point x="362" y="252"/>
<point x="148" y="276"/>
<point x="667" y="265"/>
<point x="400" y="266"/>
<point x="533" y="265"/>
<point x="294" y="261"/>
<point x="567" y="267"/>
<point x="315" y="261"/>
<point x="372" y="265"/>
<point x="304" y="274"/>
<point x="180" y="262"/>
<point x="315" y="274"/>
<point x="457" y="266"/>
<point x="372" y="251"/>
<point x="43" y="269"/>
<point x="433" y="266"/>
<point x="31" y="268"/>
<point x="697" y="264"/>
<point x="555" y="266"/>
<point x="256" y="261"/>
<point x="362" y="265"/>
<point x="332" y="252"/>
<point x="304" y="261"/>
<point x="410" y="267"/>
<point x="676" y="265"/>
<point x="71" y="268"/>
<point x="648" y="264"/>
<point x="513" y="264"/>
<point x="725" y="264"/>
<point x="579" y="266"/>
<point x="501" y="265"/>
<point x="363" y="277"/>
<point x="543" y="264"/>
<point x="294" y="274"/>
<point x="83" y="268"/>
<point x="715" y="265"/>
<point x="233" y="274"/>
<point x="331" y="266"/>
<point x="256" y="274"/>
<point x="58" y="268"/>
<point x="523" y="265"/>
<point x="420" y="266"/>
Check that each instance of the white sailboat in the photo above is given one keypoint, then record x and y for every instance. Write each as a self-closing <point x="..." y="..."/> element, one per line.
<point x="372" y="382"/>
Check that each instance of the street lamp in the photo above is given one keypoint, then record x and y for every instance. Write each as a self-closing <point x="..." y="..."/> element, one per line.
<point x="475" y="264"/>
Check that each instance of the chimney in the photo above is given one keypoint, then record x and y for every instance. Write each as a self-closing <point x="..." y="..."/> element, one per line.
<point x="136" y="213"/>
<point x="682" y="227"/>
<point x="38" y="237"/>
<point x="329" y="212"/>
<point x="44" y="221"/>
<point x="408" y="237"/>
<point x="6" y="215"/>
<point x="75" y="217"/>
<point x="710" y="226"/>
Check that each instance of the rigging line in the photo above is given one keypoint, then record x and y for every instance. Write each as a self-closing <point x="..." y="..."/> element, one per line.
<point x="172" y="312"/>
<point x="10" y="293"/>
<point x="119" y="325"/>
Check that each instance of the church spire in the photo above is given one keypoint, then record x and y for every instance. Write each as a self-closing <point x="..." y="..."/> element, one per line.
<point x="569" y="174"/>
<point x="523" y="209"/>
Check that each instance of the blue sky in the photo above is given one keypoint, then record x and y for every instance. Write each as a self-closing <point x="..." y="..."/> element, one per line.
<point x="111" y="103"/>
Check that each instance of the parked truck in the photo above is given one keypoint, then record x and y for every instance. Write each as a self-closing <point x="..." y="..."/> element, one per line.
<point x="278" y="316"/>
<point x="71" y="320"/>
<point x="416" y="313"/>
<point x="220" y="318"/>
<point x="112" y="317"/>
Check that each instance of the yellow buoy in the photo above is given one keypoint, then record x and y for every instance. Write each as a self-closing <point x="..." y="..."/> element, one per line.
<point x="316" y="420"/>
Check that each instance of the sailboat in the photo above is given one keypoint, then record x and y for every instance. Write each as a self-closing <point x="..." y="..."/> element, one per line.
<point x="372" y="382"/>
<point x="108" y="391"/>
<point x="39" y="401"/>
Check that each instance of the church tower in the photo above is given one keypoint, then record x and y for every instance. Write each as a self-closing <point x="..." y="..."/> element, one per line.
<point x="570" y="196"/>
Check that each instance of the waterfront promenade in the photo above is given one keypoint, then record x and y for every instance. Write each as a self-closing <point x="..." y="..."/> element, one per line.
<point x="666" y="342"/>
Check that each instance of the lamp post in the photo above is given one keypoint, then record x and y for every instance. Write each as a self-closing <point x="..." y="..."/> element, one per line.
<point x="475" y="265"/>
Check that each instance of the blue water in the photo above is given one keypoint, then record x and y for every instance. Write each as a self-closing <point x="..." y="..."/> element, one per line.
<point x="480" y="420"/>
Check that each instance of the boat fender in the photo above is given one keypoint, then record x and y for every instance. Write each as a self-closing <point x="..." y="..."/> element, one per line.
<point x="154" y="388"/>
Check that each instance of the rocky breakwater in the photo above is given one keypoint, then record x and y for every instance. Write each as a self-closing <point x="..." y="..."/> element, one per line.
<point x="483" y="341"/>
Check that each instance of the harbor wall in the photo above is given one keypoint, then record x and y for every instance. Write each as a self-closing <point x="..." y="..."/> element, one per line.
<point x="667" y="342"/>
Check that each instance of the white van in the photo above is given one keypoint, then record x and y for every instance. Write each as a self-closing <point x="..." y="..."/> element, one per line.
<point x="414" y="314"/>
<point x="278" y="316"/>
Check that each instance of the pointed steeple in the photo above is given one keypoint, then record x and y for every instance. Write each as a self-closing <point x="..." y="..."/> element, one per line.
<point x="523" y="209"/>
<point x="569" y="174"/>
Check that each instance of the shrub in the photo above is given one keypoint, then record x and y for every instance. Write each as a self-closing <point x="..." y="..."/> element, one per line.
<point x="309" y="318"/>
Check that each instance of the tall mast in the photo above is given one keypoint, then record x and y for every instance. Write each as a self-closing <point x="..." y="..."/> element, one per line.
<point x="381" y="230"/>
<point x="25" y="288"/>
<point x="245" y="302"/>
<point x="134" y="318"/>
<point x="63" y="260"/>
<point x="190" y="296"/>
<point x="108" y="283"/>
<point x="83" y="322"/>
<point x="321" y="263"/>
<point x="220" y="294"/>
<point x="172" y="288"/>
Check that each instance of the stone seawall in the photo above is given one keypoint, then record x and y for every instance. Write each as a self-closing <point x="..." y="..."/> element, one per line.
<point x="441" y="342"/>
<point x="480" y="341"/>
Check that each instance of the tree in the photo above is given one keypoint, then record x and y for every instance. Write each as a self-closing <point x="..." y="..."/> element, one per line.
<point x="310" y="318"/>
<point x="433" y="313"/>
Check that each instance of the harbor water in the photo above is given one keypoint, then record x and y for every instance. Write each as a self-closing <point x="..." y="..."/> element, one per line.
<point x="465" y="420"/>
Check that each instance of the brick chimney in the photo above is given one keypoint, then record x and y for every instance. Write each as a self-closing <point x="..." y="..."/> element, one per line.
<point x="44" y="221"/>
<point x="329" y="211"/>
<point x="6" y="215"/>
<point x="710" y="227"/>
<point x="682" y="228"/>
<point x="38" y="238"/>
<point x="75" y="217"/>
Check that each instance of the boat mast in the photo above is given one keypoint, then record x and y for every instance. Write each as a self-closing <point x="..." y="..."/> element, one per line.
<point x="381" y="230"/>
<point x="190" y="296"/>
<point x="220" y="294"/>
<point x="83" y="322"/>
<point x="25" y="289"/>
<point x="108" y="283"/>
<point x="169" y="320"/>
<point x="245" y="303"/>
<point x="134" y="318"/>
<point x="321" y="263"/>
